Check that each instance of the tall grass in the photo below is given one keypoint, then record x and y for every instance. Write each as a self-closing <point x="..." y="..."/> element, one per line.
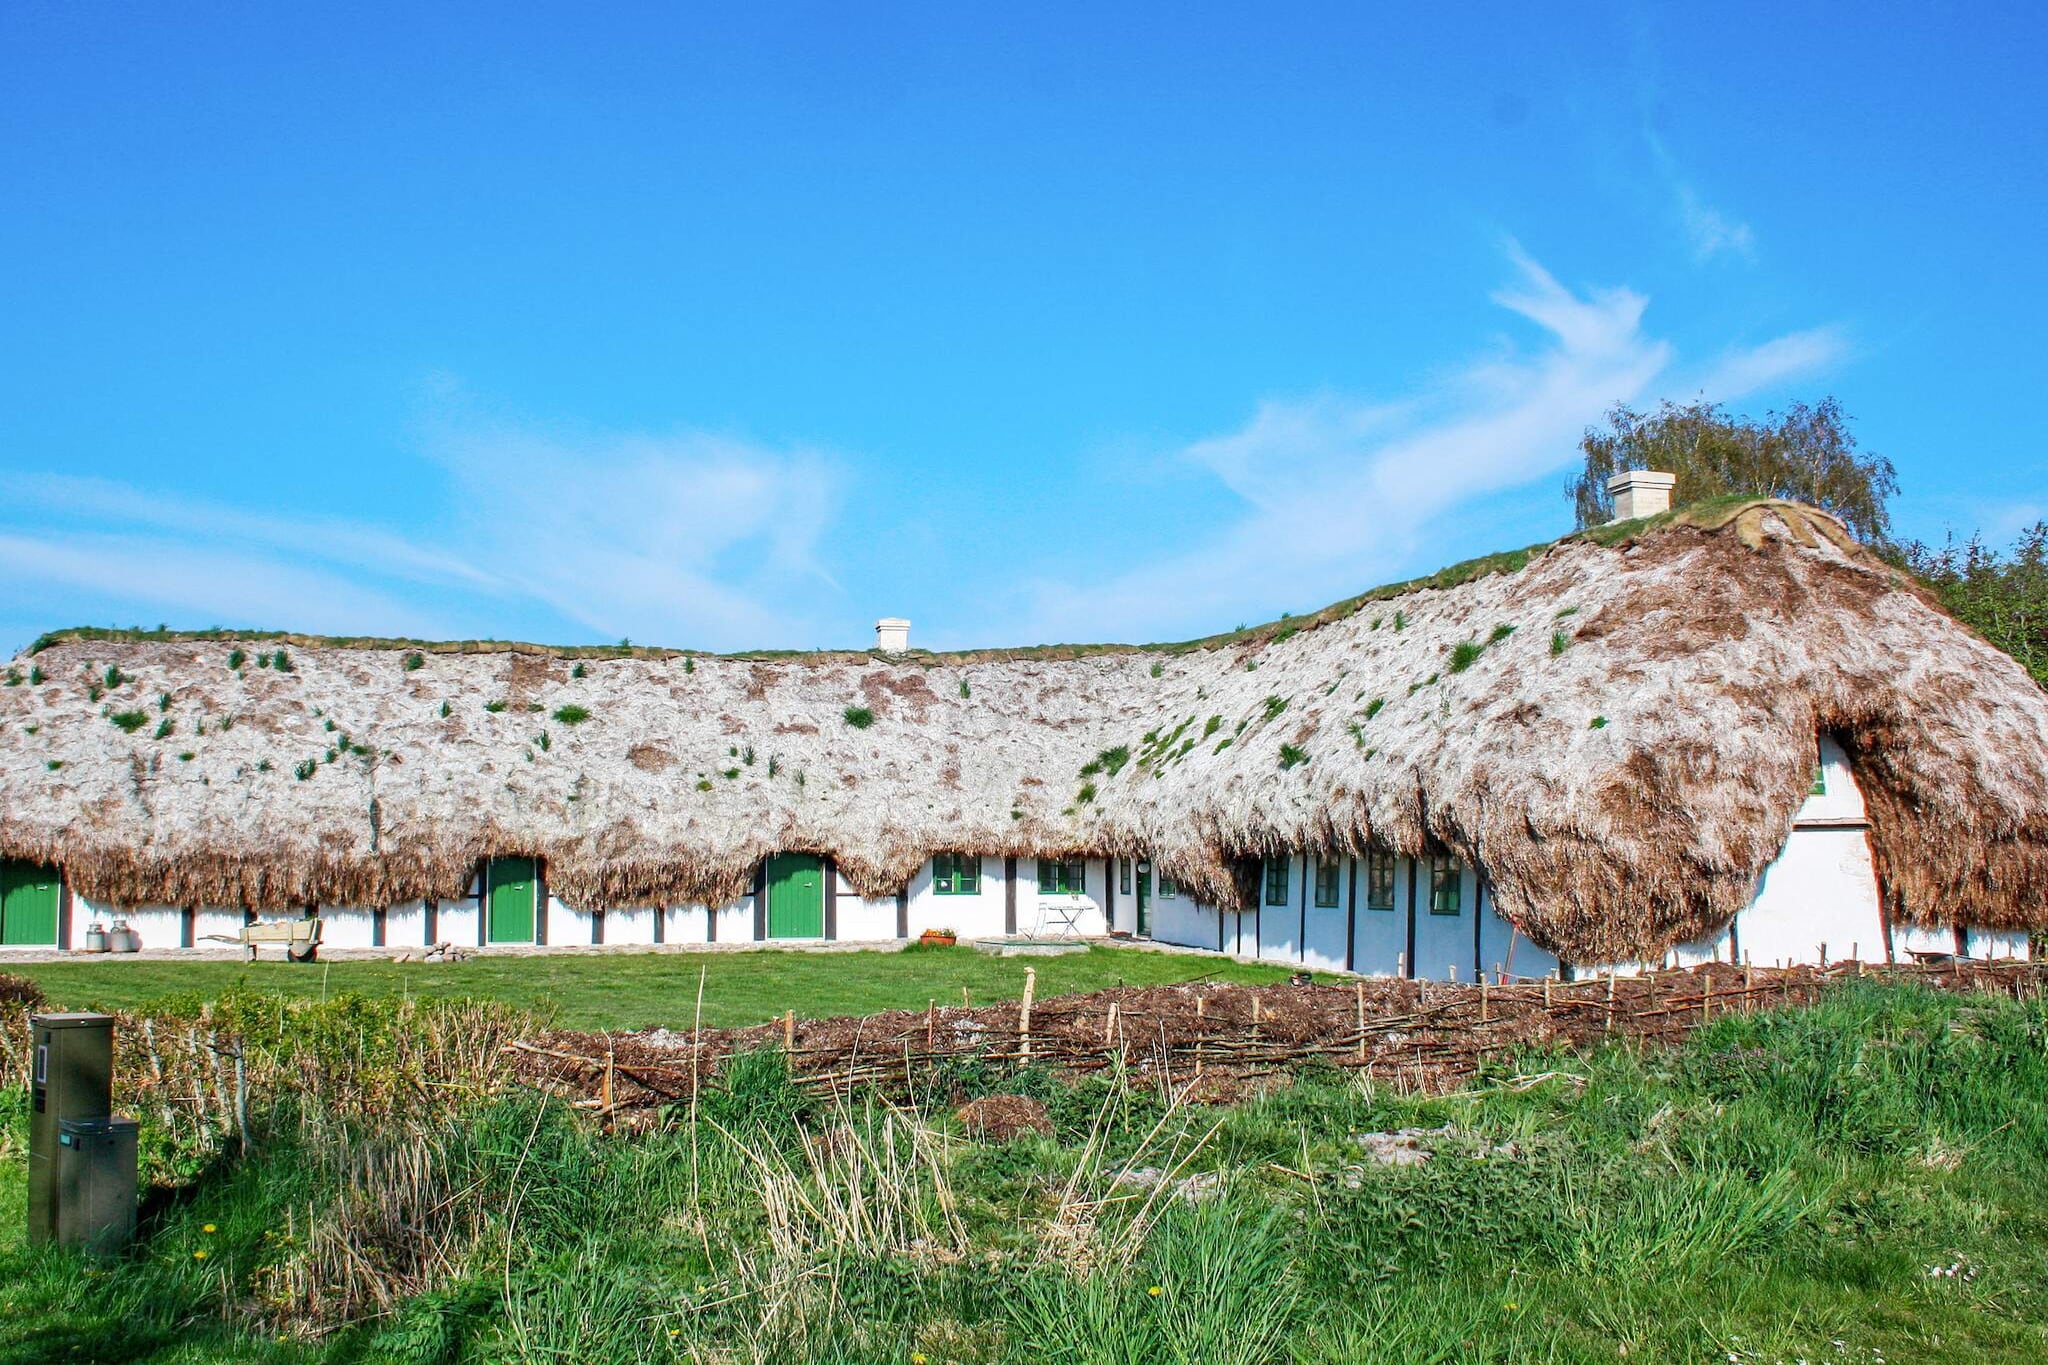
<point x="1780" y="1183"/>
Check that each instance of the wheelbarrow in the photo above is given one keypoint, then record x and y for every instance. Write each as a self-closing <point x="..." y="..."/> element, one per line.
<point x="300" y="938"/>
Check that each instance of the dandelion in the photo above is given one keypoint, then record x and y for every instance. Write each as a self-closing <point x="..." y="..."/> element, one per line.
<point x="1155" y="1291"/>
<point x="917" y="1358"/>
<point x="199" y="1255"/>
<point x="207" y="1228"/>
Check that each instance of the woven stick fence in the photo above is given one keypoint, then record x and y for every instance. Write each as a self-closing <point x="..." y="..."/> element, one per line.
<point x="1412" y="1034"/>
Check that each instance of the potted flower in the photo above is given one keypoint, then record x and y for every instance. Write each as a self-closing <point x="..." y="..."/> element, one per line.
<point x="938" y="938"/>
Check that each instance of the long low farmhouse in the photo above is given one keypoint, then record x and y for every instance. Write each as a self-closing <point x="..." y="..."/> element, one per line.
<point x="1726" y="731"/>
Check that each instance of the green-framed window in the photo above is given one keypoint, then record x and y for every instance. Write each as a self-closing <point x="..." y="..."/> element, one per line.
<point x="956" y="874"/>
<point x="1167" y="890"/>
<point x="1379" y="880"/>
<point x="1277" y="872"/>
<point x="1820" y="781"/>
<point x="1446" y="885"/>
<point x="1123" y="875"/>
<point x="1328" y="871"/>
<point x="1062" y="877"/>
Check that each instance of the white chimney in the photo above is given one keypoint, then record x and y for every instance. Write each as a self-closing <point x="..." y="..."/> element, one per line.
<point x="1640" y="493"/>
<point x="892" y="635"/>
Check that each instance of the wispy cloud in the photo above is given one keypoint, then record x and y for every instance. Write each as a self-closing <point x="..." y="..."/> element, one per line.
<point x="1711" y="232"/>
<point x="689" y="539"/>
<point x="1337" y="492"/>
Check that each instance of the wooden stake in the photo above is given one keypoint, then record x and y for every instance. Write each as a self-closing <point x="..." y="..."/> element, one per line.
<point x="1707" y="998"/>
<point x="1482" y="997"/>
<point x="1024" y="1013"/>
<point x="789" y="1031"/>
<point x="1109" y="1025"/>
<point x="1358" y="999"/>
<point x="966" y="1003"/>
<point x="1607" y="1023"/>
<point x="1546" y="995"/>
<point x="931" y="1025"/>
<point x="1201" y="1029"/>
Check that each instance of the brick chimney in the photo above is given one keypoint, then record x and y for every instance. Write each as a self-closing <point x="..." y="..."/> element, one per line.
<point x="1640" y="493"/>
<point x="892" y="635"/>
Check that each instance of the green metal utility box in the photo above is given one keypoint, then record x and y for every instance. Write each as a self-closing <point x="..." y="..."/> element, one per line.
<point x="96" y="1183"/>
<point x="71" y="1077"/>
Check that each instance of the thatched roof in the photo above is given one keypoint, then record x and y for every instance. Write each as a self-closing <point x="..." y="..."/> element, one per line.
<point x="1618" y="728"/>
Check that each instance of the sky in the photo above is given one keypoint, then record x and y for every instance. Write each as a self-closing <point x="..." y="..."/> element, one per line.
<point x="735" y="327"/>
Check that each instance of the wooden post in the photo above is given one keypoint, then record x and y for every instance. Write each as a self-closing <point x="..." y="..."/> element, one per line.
<point x="1607" y="1024"/>
<point x="931" y="1025"/>
<point x="1201" y="1029"/>
<point x="1024" y="1013"/>
<point x="1109" y="1025"/>
<point x="966" y="1001"/>
<point x="1482" y="997"/>
<point x="1546" y="995"/>
<point x="1707" y="998"/>
<point x="1358" y="998"/>
<point x="789" y="1031"/>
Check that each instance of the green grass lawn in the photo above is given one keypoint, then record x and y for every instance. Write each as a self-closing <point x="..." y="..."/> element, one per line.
<point x="649" y="990"/>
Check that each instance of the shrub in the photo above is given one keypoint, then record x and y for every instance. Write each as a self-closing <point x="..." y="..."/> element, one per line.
<point x="859" y="717"/>
<point x="130" y="721"/>
<point x="572" y="714"/>
<point x="415" y="660"/>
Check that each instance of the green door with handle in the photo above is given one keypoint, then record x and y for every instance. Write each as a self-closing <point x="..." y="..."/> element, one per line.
<point x="796" y="896"/>
<point x="29" y="894"/>
<point x="509" y="900"/>
<point x="1144" y="900"/>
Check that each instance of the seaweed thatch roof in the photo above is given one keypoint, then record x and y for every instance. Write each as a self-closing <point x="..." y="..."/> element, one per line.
<point x="1617" y="727"/>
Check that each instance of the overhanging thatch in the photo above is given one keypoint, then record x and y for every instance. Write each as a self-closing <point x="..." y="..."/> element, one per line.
<point x="1617" y="729"/>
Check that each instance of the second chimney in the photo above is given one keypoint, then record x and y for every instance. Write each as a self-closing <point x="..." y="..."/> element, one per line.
<point x="892" y="635"/>
<point x="1640" y="493"/>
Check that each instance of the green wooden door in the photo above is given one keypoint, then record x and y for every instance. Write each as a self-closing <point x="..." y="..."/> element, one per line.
<point x="28" y="904"/>
<point x="510" y="894"/>
<point x="1144" y="902"/>
<point x="796" y="896"/>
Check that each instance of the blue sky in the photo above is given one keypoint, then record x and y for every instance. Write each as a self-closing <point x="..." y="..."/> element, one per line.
<point x="742" y="327"/>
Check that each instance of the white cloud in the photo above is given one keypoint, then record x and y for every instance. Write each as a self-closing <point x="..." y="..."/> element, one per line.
<point x="1711" y="232"/>
<point x="140" y="577"/>
<point x="1337" y="493"/>
<point x="687" y="539"/>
